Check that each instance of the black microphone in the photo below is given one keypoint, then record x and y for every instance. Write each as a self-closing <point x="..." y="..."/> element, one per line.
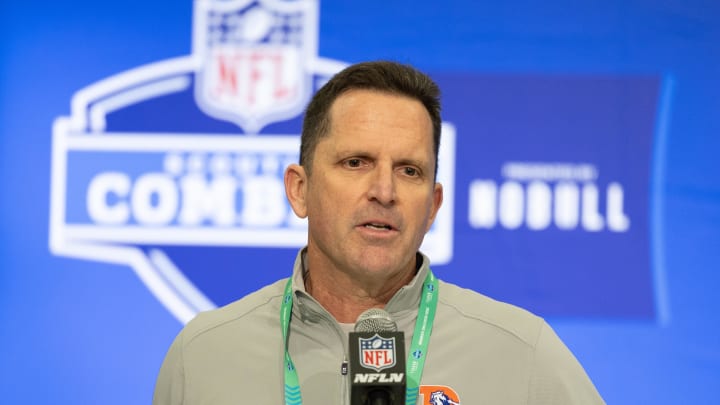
<point x="377" y="360"/>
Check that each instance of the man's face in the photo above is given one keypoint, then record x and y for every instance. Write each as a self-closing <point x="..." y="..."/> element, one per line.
<point x="371" y="196"/>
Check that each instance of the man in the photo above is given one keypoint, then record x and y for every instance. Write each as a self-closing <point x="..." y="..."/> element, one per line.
<point x="366" y="184"/>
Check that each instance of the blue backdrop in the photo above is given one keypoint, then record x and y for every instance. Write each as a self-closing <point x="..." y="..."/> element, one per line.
<point x="625" y="93"/>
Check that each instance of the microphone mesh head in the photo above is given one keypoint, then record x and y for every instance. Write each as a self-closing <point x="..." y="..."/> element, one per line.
<point x="375" y="320"/>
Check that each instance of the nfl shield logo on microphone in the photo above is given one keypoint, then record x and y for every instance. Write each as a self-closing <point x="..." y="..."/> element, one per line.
<point x="377" y="353"/>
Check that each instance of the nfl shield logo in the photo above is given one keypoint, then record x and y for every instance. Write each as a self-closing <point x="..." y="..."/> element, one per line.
<point x="377" y="353"/>
<point x="253" y="59"/>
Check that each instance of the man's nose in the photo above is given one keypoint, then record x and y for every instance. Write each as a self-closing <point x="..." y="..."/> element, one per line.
<point x="382" y="185"/>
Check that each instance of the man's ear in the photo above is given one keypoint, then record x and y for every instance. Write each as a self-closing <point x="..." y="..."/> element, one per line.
<point x="437" y="199"/>
<point x="296" y="189"/>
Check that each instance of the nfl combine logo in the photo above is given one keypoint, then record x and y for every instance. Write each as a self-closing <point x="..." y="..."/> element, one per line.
<point x="175" y="169"/>
<point x="377" y="353"/>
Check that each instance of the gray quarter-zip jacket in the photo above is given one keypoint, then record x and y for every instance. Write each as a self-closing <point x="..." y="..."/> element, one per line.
<point x="481" y="351"/>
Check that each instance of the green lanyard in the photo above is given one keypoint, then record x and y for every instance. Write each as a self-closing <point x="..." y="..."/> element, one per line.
<point x="418" y="347"/>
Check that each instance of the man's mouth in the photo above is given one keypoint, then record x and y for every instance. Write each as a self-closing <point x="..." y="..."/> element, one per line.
<point x="378" y="226"/>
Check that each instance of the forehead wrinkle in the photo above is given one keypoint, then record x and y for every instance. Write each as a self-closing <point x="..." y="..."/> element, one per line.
<point x="359" y="120"/>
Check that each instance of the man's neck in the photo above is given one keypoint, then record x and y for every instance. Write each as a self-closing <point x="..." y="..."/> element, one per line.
<point x="346" y="298"/>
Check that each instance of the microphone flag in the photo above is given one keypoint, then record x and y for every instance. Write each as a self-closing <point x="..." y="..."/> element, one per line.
<point x="377" y="368"/>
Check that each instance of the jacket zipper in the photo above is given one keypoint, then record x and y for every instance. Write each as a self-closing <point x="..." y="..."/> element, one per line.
<point x="344" y="366"/>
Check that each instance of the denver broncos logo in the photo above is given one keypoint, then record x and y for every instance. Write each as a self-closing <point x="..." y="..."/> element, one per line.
<point x="438" y="395"/>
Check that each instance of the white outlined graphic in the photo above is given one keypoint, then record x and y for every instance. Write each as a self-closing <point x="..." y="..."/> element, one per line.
<point x="113" y="193"/>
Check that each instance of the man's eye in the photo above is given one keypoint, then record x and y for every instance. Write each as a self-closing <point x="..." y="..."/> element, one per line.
<point x="353" y="162"/>
<point x="411" y="171"/>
